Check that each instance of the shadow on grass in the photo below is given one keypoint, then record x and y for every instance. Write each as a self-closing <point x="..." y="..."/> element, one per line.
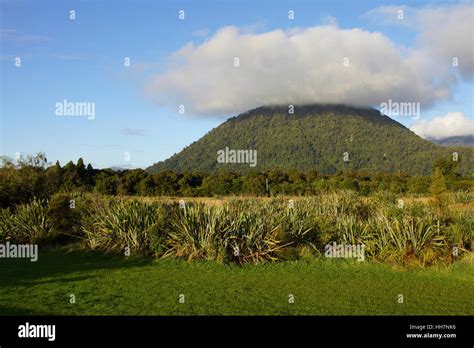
<point x="56" y="280"/>
<point x="5" y="310"/>
<point x="60" y="262"/>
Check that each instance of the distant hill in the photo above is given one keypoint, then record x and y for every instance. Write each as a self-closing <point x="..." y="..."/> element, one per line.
<point x="462" y="141"/>
<point x="119" y="168"/>
<point x="328" y="138"/>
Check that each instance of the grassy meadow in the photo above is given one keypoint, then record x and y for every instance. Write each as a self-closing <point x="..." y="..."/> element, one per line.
<point x="107" y="284"/>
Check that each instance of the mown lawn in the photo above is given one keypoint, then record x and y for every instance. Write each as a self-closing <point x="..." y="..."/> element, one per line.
<point x="114" y="285"/>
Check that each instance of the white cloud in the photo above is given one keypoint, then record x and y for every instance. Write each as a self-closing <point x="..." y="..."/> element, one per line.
<point x="447" y="32"/>
<point x="451" y="124"/>
<point x="305" y="65"/>
<point x="443" y="32"/>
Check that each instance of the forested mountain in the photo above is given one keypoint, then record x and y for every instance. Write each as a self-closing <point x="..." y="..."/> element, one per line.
<point x="327" y="138"/>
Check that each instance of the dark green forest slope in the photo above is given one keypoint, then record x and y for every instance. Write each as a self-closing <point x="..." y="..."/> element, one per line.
<point x="316" y="137"/>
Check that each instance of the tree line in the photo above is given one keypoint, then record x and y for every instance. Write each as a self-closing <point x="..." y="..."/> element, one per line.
<point x="33" y="176"/>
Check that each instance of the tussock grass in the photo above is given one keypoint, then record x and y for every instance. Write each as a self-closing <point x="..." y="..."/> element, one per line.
<point x="28" y="223"/>
<point x="253" y="230"/>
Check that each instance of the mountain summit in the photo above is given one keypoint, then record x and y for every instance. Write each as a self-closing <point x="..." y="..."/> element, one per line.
<point x="327" y="138"/>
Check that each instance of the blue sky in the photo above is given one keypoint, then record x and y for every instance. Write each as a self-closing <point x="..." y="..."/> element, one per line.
<point x="83" y="60"/>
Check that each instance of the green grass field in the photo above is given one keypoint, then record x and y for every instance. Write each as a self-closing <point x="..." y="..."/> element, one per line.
<point x="114" y="285"/>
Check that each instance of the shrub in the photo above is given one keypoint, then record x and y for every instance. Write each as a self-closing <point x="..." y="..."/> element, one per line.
<point x="29" y="224"/>
<point x="407" y="238"/>
<point x="6" y="220"/>
<point x="461" y="196"/>
<point x="461" y="233"/>
<point x="116" y="224"/>
<point x="64" y="214"/>
<point x="196" y="231"/>
<point x="384" y="197"/>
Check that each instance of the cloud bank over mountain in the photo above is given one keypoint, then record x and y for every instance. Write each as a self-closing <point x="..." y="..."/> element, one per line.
<point x="235" y="70"/>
